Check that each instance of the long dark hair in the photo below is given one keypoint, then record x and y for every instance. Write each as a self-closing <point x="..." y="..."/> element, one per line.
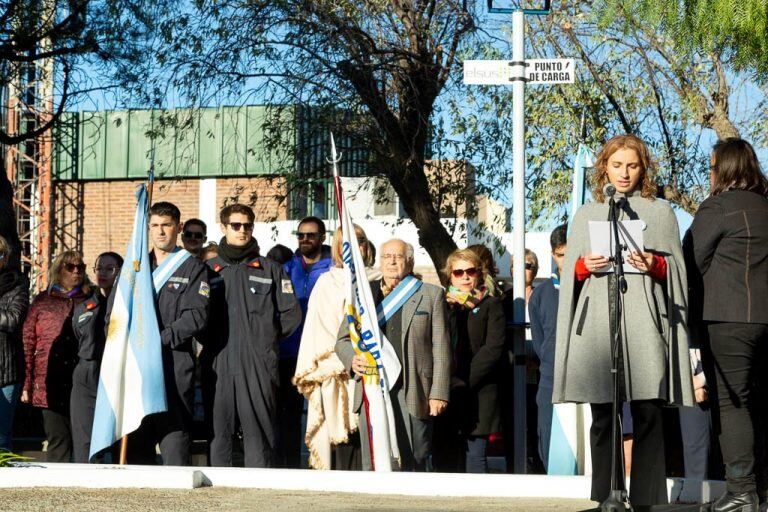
<point x="736" y="167"/>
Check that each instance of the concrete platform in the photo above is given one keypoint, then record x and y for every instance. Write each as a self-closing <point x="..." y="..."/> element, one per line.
<point x="99" y="476"/>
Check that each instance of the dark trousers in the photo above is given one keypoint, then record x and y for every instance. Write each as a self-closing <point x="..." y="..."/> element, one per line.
<point x="85" y="383"/>
<point x="739" y="357"/>
<point x="544" y="427"/>
<point x="58" y="432"/>
<point x="696" y="432"/>
<point x="171" y="430"/>
<point x="477" y="458"/>
<point x="347" y="456"/>
<point x="232" y="402"/>
<point x="649" y="480"/>
<point x="290" y="408"/>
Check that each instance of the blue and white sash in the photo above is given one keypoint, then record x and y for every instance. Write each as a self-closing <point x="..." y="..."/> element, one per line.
<point x="397" y="297"/>
<point x="171" y="264"/>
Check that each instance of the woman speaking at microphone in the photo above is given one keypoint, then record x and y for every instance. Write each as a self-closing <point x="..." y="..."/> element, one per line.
<point x="727" y="253"/>
<point x="654" y="368"/>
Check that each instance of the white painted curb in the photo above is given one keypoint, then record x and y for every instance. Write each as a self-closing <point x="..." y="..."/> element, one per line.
<point x="99" y="476"/>
<point x="357" y="482"/>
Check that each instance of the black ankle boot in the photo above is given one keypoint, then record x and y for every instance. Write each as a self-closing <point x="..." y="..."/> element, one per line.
<point x="736" y="502"/>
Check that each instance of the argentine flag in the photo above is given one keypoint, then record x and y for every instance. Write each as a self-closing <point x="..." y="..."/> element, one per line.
<point x="131" y="382"/>
<point x="569" y="452"/>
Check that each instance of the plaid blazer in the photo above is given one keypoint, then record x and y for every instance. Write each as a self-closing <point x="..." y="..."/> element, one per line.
<point x="426" y="350"/>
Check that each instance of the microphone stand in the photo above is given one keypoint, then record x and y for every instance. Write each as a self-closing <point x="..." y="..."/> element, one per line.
<point x="618" y="499"/>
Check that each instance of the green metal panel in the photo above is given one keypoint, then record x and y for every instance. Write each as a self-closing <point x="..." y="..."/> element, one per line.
<point x="65" y="151"/>
<point x="233" y="127"/>
<point x="186" y="158"/>
<point x="139" y="143"/>
<point x="117" y="130"/>
<point x="92" y="136"/>
<point x="209" y="142"/>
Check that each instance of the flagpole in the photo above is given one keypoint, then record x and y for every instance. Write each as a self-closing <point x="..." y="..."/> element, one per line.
<point x="150" y="189"/>
<point x="337" y="182"/>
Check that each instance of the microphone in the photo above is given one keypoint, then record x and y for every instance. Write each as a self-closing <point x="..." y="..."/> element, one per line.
<point x="609" y="189"/>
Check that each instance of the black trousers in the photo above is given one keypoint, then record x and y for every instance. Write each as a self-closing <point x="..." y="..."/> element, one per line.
<point x="649" y="479"/>
<point x="739" y="357"/>
<point x="85" y="384"/>
<point x="290" y="407"/>
<point x="171" y="430"/>
<point x="232" y="402"/>
<point x="58" y="432"/>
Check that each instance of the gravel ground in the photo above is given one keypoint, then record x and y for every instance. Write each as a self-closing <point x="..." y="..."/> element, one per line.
<point x="224" y="499"/>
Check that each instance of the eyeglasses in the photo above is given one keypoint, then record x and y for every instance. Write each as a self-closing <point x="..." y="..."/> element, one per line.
<point x="393" y="257"/>
<point x="459" y="272"/>
<point x="308" y="236"/>
<point x="71" y="267"/>
<point x="109" y="271"/>
<point x="248" y="226"/>
<point x="196" y="235"/>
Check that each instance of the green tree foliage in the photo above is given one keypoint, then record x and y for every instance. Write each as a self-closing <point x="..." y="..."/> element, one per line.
<point x="735" y="29"/>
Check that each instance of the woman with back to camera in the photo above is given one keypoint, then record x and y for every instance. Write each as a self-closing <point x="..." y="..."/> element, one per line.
<point x="654" y="367"/>
<point x="727" y="253"/>
<point x="331" y="437"/>
<point x="50" y="351"/>
<point x="88" y="325"/>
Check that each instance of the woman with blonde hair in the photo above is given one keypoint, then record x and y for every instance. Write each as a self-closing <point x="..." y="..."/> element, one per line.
<point x="477" y="325"/>
<point x="50" y="351"/>
<point x="332" y="424"/>
<point x="654" y="368"/>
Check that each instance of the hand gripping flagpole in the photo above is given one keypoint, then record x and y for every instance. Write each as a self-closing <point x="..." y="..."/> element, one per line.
<point x="367" y="340"/>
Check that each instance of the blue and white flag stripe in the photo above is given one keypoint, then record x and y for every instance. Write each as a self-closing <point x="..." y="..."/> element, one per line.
<point x="395" y="300"/>
<point x="131" y="384"/>
<point x="170" y="264"/>
<point x="569" y="452"/>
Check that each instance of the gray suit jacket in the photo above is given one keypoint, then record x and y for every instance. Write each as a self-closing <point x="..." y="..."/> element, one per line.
<point x="426" y="350"/>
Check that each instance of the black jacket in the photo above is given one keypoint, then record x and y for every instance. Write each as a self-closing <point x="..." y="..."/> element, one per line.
<point x="726" y="251"/>
<point x="14" y="303"/>
<point x="88" y="326"/>
<point x="478" y="337"/>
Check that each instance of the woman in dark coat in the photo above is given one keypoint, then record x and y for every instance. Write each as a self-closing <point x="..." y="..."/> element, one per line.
<point x="50" y="351"/>
<point x="90" y="332"/>
<point x="727" y="253"/>
<point x="477" y="334"/>
<point x="14" y="301"/>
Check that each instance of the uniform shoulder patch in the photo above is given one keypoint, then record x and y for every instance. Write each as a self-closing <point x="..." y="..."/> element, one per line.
<point x="287" y="286"/>
<point x="204" y="290"/>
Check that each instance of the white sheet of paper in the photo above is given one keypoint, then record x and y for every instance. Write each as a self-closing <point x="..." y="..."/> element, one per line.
<point x="630" y="236"/>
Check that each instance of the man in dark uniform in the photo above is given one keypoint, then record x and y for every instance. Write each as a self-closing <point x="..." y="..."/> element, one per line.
<point x="182" y="292"/>
<point x="253" y="308"/>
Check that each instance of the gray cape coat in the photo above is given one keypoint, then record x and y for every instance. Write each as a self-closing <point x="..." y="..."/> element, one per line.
<point x="654" y="330"/>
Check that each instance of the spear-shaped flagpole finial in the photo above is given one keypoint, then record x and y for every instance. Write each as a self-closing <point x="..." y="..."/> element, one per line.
<point x="335" y="159"/>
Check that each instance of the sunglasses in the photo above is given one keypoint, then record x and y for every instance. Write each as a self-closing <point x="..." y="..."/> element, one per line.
<point x="248" y="226"/>
<point x="530" y="266"/>
<point x="459" y="272"/>
<point x="308" y="236"/>
<point x="194" y="235"/>
<point x="71" y="267"/>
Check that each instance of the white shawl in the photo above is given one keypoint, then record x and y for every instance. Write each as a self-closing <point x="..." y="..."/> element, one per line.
<point x="320" y="376"/>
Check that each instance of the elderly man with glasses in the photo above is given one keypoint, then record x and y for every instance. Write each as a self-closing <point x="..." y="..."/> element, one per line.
<point x="415" y="323"/>
<point x="252" y="308"/>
